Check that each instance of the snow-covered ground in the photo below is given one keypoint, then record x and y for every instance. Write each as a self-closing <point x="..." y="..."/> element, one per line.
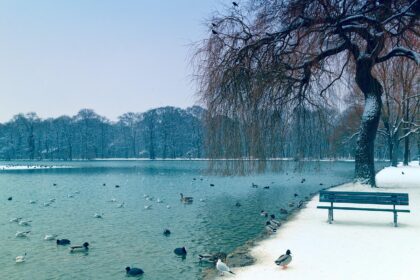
<point x="27" y="167"/>
<point x="358" y="245"/>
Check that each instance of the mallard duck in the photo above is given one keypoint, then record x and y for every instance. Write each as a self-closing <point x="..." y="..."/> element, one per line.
<point x="270" y="228"/>
<point x="80" y="248"/>
<point x="186" y="199"/>
<point x="222" y="267"/>
<point x="63" y="242"/>
<point x="285" y="259"/>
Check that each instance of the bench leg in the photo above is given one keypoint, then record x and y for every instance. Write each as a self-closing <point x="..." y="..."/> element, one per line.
<point x="330" y="215"/>
<point x="395" y="219"/>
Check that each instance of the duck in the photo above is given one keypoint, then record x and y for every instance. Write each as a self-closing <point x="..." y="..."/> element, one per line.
<point x="222" y="267"/>
<point x="266" y="187"/>
<point x="112" y="200"/>
<point x="46" y="204"/>
<point x="32" y="201"/>
<point x="98" y="216"/>
<point x="211" y="258"/>
<point x="22" y="233"/>
<point x="166" y="232"/>
<point x="254" y="186"/>
<point x="80" y="248"/>
<point x="117" y="186"/>
<point x="63" y="242"/>
<point x="133" y="271"/>
<point x="303" y="181"/>
<point x="168" y="206"/>
<point x="238" y="204"/>
<point x="186" y="199"/>
<point x="50" y="236"/>
<point x="269" y="227"/>
<point x="211" y="185"/>
<point x="295" y="195"/>
<point x="9" y="198"/>
<point x="148" y="207"/>
<point x="291" y="204"/>
<point x="283" y="211"/>
<point x="202" y="200"/>
<point x="263" y="213"/>
<point x="274" y="221"/>
<point x="284" y="260"/>
<point x="24" y="223"/>
<point x="20" y="259"/>
<point x="121" y="205"/>
<point x="300" y="204"/>
<point x="180" y="251"/>
<point x="15" y="220"/>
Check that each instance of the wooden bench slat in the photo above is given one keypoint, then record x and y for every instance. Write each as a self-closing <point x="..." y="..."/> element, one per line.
<point x="364" y="209"/>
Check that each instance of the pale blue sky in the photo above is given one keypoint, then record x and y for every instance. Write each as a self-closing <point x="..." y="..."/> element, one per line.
<point x="113" y="56"/>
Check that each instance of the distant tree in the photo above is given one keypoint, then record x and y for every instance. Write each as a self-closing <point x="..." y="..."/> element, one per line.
<point x="270" y="53"/>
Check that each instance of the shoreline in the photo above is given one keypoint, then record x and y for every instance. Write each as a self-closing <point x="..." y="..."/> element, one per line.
<point x="310" y="237"/>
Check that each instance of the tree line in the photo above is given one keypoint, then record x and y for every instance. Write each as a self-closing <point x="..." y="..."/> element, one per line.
<point x="306" y="132"/>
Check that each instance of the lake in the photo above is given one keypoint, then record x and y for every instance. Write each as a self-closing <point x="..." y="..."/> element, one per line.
<point x="132" y="235"/>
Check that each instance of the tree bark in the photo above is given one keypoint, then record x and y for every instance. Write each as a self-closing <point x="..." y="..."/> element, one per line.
<point x="372" y="90"/>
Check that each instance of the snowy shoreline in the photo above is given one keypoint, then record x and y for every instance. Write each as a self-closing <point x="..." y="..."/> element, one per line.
<point x="30" y="167"/>
<point x="358" y="245"/>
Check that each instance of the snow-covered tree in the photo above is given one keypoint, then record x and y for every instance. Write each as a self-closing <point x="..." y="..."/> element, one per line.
<point x="264" y="54"/>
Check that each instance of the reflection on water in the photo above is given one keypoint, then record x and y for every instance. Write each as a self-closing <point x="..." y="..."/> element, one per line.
<point x="130" y="235"/>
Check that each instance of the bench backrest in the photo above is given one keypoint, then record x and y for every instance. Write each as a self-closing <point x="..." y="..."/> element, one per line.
<point x="364" y="197"/>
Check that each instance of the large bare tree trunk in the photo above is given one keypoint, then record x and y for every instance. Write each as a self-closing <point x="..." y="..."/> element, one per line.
<point x="372" y="90"/>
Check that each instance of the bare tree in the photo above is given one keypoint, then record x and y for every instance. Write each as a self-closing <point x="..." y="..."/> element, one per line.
<point x="269" y="53"/>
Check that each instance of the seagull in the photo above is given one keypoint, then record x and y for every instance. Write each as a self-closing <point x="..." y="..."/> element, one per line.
<point x="222" y="267"/>
<point x="22" y="233"/>
<point x="134" y="271"/>
<point x="50" y="236"/>
<point x="284" y="260"/>
<point x="20" y="259"/>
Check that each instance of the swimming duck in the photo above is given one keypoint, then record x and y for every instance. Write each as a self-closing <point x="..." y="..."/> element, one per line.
<point x="46" y="204"/>
<point x="159" y="200"/>
<point x="20" y="259"/>
<point x="266" y="187"/>
<point x="285" y="259"/>
<point x="98" y="216"/>
<point x="180" y="251"/>
<point x="222" y="267"/>
<point x="269" y="227"/>
<point x="24" y="223"/>
<point x="168" y="206"/>
<point x="263" y="213"/>
<point x="254" y="185"/>
<point x="283" y="211"/>
<point x="63" y="242"/>
<point x="50" y="236"/>
<point x="211" y="258"/>
<point x="186" y="199"/>
<point x="291" y="204"/>
<point x="134" y="271"/>
<point x="80" y="248"/>
<point x="9" y="198"/>
<point x="32" y="201"/>
<point x="22" y="233"/>
<point x="166" y="232"/>
<point x="274" y="221"/>
<point x="238" y="204"/>
<point x="70" y="195"/>
<point x="148" y="207"/>
<point x="15" y="220"/>
<point x="121" y="205"/>
<point x="211" y="185"/>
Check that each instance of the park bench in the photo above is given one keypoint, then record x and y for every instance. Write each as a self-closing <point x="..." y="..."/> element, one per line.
<point x="379" y="198"/>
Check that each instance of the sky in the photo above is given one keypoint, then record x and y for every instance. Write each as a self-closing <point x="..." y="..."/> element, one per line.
<point x="112" y="56"/>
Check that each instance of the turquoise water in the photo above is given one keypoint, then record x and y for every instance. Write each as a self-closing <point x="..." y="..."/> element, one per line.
<point x="132" y="235"/>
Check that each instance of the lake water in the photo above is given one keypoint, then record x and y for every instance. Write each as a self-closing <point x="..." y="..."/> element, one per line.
<point x="132" y="235"/>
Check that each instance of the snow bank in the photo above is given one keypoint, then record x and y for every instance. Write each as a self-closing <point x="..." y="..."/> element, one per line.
<point x="358" y="245"/>
<point x="28" y="167"/>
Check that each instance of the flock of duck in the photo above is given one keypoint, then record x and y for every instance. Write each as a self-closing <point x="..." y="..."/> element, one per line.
<point x="271" y="226"/>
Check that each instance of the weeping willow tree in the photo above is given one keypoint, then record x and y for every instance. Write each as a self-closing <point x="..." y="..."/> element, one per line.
<point x="280" y="57"/>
